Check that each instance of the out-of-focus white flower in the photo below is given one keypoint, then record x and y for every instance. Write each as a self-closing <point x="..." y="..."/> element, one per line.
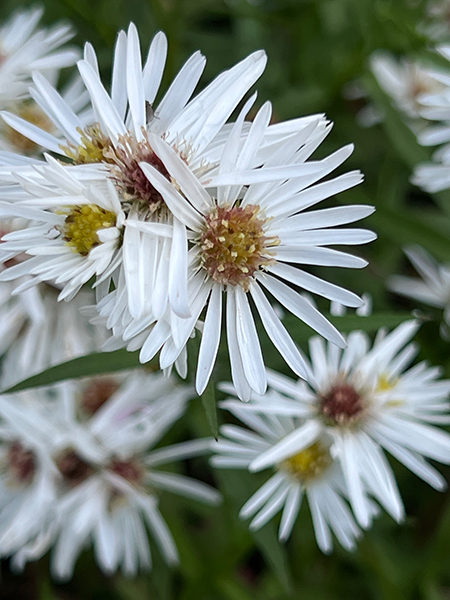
<point x="310" y="472"/>
<point x="432" y="289"/>
<point x="365" y="400"/>
<point x="436" y="24"/>
<point x="99" y="439"/>
<point x="25" y="48"/>
<point x="241" y="239"/>
<point x="404" y="81"/>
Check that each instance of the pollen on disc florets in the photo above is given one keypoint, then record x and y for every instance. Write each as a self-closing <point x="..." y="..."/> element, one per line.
<point x="21" y="463"/>
<point x="342" y="405"/>
<point x="80" y="229"/>
<point x="310" y="463"/>
<point x="123" y="159"/>
<point x="233" y="245"/>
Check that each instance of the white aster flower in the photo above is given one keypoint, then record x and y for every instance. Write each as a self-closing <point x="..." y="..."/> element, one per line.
<point x="405" y="81"/>
<point x="108" y="474"/>
<point x="241" y="240"/>
<point x="74" y="231"/>
<point x="432" y="289"/>
<point x="310" y="472"/>
<point x="366" y="400"/>
<point x="24" y="48"/>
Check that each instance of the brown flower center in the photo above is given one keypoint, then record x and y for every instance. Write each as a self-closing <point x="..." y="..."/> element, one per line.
<point x="342" y="404"/>
<point x="123" y="159"/>
<point x="73" y="468"/>
<point x="130" y="470"/>
<point x="233" y="245"/>
<point x="97" y="393"/>
<point x="31" y="112"/>
<point x="21" y="462"/>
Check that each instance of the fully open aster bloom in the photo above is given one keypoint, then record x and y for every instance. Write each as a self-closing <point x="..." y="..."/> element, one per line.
<point x="434" y="287"/>
<point x="108" y="476"/>
<point x="242" y="240"/>
<point x="24" y="48"/>
<point x="74" y="231"/>
<point x="310" y="472"/>
<point x="365" y="400"/>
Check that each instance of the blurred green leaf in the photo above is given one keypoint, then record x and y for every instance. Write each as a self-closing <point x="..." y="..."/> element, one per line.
<point x="97" y="363"/>
<point x="405" y="227"/>
<point x="209" y="404"/>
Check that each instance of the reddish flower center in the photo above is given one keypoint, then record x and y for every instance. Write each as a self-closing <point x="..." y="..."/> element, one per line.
<point x="21" y="462"/>
<point x="129" y="470"/>
<point x="342" y="404"/>
<point x="73" y="468"/>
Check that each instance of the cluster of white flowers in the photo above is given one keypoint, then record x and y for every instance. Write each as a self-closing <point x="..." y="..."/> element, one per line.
<point x="168" y="206"/>
<point x="78" y="467"/>
<point x="152" y="214"/>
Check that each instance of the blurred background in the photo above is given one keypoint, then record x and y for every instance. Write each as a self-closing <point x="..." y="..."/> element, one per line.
<point x="316" y="49"/>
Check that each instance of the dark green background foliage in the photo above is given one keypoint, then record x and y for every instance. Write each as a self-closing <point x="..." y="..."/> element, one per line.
<point x="315" y="47"/>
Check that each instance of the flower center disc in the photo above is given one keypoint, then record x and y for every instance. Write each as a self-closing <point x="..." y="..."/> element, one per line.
<point x="21" y="462"/>
<point x="123" y="158"/>
<point x="342" y="404"/>
<point x="82" y="225"/>
<point x="97" y="393"/>
<point x="309" y="463"/>
<point x="233" y="244"/>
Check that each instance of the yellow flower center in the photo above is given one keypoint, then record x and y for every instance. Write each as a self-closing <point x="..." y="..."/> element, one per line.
<point x="93" y="148"/>
<point x="233" y="245"/>
<point x="385" y="384"/>
<point x="82" y="225"/>
<point x="309" y="463"/>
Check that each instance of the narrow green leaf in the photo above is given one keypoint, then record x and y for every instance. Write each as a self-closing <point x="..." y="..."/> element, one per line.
<point x="348" y="323"/>
<point x="209" y="404"/>
<point x="274" y="553"/>
<point x="84" y="366"/>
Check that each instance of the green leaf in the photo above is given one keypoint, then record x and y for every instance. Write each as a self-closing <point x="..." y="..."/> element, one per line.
<point x="84" y="366"/>
<point x="406" y="227"/>
<point x="274" y="553"/>
<point x="209" y="404"/>
<point x="348" y="323"/>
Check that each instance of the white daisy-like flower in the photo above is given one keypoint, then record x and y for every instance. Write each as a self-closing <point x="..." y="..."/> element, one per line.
<point x="310" y="472"/>
<point x="365" y="400"/>
<point x="113" y="146"/>
<point x="404" y="81"/>
<point x="108" y="475"/>
<point x="242" y="240"/>
<point x="74" y="231"/>
<point x="434" y="287"/>
<point x="25" y="48"/>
